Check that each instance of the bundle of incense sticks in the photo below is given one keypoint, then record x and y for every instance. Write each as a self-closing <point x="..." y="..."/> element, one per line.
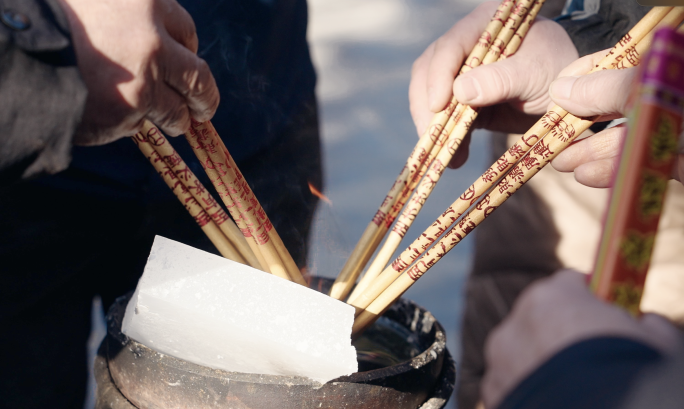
<point x="553" y="133"/>
<point x="434" y="150"/>
<point x="640" y="182"/>
<point x="255" y="242"/>
<point x="242" y="203"/>
<point x="203" y="208"/>
<point x="261" y="246"/>
<point x="516" y="26"/>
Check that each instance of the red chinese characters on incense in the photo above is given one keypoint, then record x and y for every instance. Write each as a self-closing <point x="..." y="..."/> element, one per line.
<point x="184" y="180"/>
<point x="539" y="145"/>
<point x="641" y="181"/>
<point x="241" y="202"/>
<point x="208" y="214"/>
<point x="247" y="209"/>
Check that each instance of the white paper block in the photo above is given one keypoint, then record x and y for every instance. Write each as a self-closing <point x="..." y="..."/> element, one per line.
<point x="215" y="312"/>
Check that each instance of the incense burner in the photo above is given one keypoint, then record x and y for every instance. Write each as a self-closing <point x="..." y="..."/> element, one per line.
<point x="403" y="363"/>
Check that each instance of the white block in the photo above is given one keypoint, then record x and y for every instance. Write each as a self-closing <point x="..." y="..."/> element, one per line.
<point x="218" y="313"/>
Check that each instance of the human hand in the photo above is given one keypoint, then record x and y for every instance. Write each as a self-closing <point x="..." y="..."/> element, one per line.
<point x="137" y="59"/>
<point x="515" y="90"/>
<point x="551" y="315"/>
<point x="606" y="93"/>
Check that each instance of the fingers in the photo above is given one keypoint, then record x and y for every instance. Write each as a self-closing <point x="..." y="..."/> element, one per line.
<point x="187" y="88"/>
<point x="597" y="174"/>
<point x="433" y="72"/>
<point x="418" y="104"/>
<point x="581" y="66"/>
<point x="601" y="93"/>
<point x="178" y="23"/>
<point x="190" y="77"/>
<point x="169" y="111"/>
<point x="491" y="84"/>
<point x="603" y="145"/>
<point x="593" y="159"/>
<point x="450" y="51"/>
<point x="584" y="65"/>
<point x="525" y="76"/>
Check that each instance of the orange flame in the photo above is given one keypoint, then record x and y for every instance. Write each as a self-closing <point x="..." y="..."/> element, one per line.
<point x="320" y="195"/>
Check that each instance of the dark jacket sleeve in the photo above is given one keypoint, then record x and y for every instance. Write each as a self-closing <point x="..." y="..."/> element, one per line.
<point x="41" y="92"/>
<point x="659" y="387"/>
<point x="600" y="373"/>
<point x="594" y="25"/>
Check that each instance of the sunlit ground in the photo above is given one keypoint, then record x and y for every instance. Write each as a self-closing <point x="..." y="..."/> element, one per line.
<point x="363" y="51"/>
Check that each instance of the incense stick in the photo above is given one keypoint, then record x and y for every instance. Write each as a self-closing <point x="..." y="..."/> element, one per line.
<point x="509" y="184"/>
<point x="273" y="235"/>
<point x="567" y="128"/>
<point x="238" y="197"/>
<point x="519" y="35"/>
<point x="406" y="180"/>
<point x="199" y="146"/>
<point x="201" y="217"/>
<point x="445" y="153"/>
<point x="211" y="155"/>
<point x="200" y="194"/>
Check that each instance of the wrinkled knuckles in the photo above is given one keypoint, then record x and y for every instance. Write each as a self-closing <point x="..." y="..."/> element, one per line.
<point x="200" y="81"/>
<point x="175" y="121"/>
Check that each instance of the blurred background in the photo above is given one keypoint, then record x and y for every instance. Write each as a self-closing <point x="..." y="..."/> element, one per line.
<point x="363" y="51"/>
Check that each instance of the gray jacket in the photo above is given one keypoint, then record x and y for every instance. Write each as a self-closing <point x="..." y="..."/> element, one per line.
<point x="41" y="92"/>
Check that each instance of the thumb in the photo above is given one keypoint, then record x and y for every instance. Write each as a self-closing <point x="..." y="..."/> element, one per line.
<point x="489" y="84"/>
<point x="512" y="79"/>
<point x="601" y="93"/>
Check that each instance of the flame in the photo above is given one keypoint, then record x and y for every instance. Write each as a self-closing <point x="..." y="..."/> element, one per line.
<point x="318" y="194"/>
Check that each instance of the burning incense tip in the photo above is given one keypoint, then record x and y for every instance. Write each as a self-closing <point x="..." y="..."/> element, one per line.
<point x="319" y="195"/>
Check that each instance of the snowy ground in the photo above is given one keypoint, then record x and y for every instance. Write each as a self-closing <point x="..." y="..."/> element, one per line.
<point x="363" y="51"/>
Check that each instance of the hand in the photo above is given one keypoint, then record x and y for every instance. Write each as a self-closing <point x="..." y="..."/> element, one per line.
<point x="605" y="93"/>
<point x="515" y="89"/>
<point x="137" y="58"/>
<point x="550" y="316"/>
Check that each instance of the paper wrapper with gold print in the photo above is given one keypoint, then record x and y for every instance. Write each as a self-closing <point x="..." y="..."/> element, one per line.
<point x="640" y="183"/>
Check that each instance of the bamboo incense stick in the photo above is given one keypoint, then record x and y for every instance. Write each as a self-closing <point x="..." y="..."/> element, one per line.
<point x="444" y="154"/>
<point x="203" y="219"/>
<point x="379" y="225"/>
<point x="385" y="282"/>
<point x="211" y="155"/>
<point x="273" y="235"/>
<point x="201" y="195"/>
<point x="551" y="121"/>
<point x="200" y="143"/>
<point x="534" y="161"/>
<point x="519" y="35"/>
<point x="523" y="10"/>
<point x="640" y="184"/>
<point x="238" y="197"/>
